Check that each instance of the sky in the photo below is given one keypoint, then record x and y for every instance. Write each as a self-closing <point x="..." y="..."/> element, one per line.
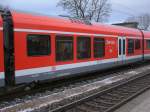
<point x="121" y="9"/>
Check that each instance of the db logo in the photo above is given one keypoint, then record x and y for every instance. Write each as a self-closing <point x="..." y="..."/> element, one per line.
<point x="110" y="42"/>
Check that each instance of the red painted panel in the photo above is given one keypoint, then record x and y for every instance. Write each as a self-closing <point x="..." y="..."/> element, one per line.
<point x="22" y="60"/>
<point x="28" y="21"/>
<point x="111" y="47"/>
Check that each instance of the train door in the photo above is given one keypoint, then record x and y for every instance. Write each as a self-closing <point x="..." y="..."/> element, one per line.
<point x="122" y="49"/>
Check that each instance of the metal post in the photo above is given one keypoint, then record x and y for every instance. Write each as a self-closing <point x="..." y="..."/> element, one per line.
<point x="8" y="41"/>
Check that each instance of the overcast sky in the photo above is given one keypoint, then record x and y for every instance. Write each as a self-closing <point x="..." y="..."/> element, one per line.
<point x="121" y="9"/>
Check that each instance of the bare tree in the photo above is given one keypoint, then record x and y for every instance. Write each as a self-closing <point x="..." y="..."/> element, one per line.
<point x="93" y="10"/>
<point x="143" y="20"/>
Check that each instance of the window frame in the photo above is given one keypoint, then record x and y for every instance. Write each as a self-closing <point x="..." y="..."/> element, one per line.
<point x="137" y="44"/>
<point x="101" y="41"/>
<point x="147" y="44"/>
<point x="89" y="48"/>
<point x="133" y="49"/>
<point x="64" y="36"/>
<point x="38" y="55"/>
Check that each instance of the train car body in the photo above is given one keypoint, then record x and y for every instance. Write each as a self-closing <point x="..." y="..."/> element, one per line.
<point x="50" y="48"/>
<point x="146" y="45"/>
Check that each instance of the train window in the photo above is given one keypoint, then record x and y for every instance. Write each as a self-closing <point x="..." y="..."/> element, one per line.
<point x="120" y="47"/>
<point x="38" y="45"/>
<point x="124" y="46"/>
<point x="137" y="44"/>
<point x="148" y="44"/>
<point x="130" y="46"/>
<point x="64" y="48"/>
<point x="83" y="47"/>
<point x="99" y="47"/>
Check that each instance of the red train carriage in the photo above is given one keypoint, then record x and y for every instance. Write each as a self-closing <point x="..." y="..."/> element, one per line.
<point x="50" y="48"/>
<point x="146" y="45"/>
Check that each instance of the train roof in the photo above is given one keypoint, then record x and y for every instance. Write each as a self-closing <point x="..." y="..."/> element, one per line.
<point x="146" y="34"/>
<point x="38" y="22"/>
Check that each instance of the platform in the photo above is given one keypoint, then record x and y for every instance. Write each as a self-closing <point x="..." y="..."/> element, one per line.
<point x="139" y="104"/>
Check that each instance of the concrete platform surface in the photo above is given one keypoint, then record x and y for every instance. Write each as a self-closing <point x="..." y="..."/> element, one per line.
<point x="139" y="104"/>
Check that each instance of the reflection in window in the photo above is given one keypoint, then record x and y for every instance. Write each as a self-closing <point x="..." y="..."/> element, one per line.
<point x="130" y="46"/>
<point x="38" y="45"/>
<point x="64" y="48"/>
<point x="99" y="47"/>
<point x="83" y="47"/>
<point x="148" y="44"/>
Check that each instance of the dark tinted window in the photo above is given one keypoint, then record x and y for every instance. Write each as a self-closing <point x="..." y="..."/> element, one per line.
<point x="137" y="44"/>
<point x="83" y="47"/>
<point x="120" y="47"/>
<point x="148" y="44"/>
<point x="99" y="47"/>
<point x="130" y="46"/>
<point x="124" y="46"/>
<point x="38" y="45"/>
<point x="64" y="48"/>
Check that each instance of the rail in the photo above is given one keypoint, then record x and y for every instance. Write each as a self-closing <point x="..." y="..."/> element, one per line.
<point x="110" y="99"/>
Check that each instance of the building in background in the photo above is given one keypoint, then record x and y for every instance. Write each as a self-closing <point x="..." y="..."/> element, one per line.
<point x="128" y="24"/>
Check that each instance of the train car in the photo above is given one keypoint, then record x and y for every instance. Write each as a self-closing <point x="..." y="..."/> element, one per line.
<point x="49" y="48"/>
<point x="146" y="45"/>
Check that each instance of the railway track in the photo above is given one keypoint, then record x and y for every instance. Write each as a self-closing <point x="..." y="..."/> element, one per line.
<point x="110" y="99"/>
<point x="20" y="90"/>
<point x="61" y="86"/>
